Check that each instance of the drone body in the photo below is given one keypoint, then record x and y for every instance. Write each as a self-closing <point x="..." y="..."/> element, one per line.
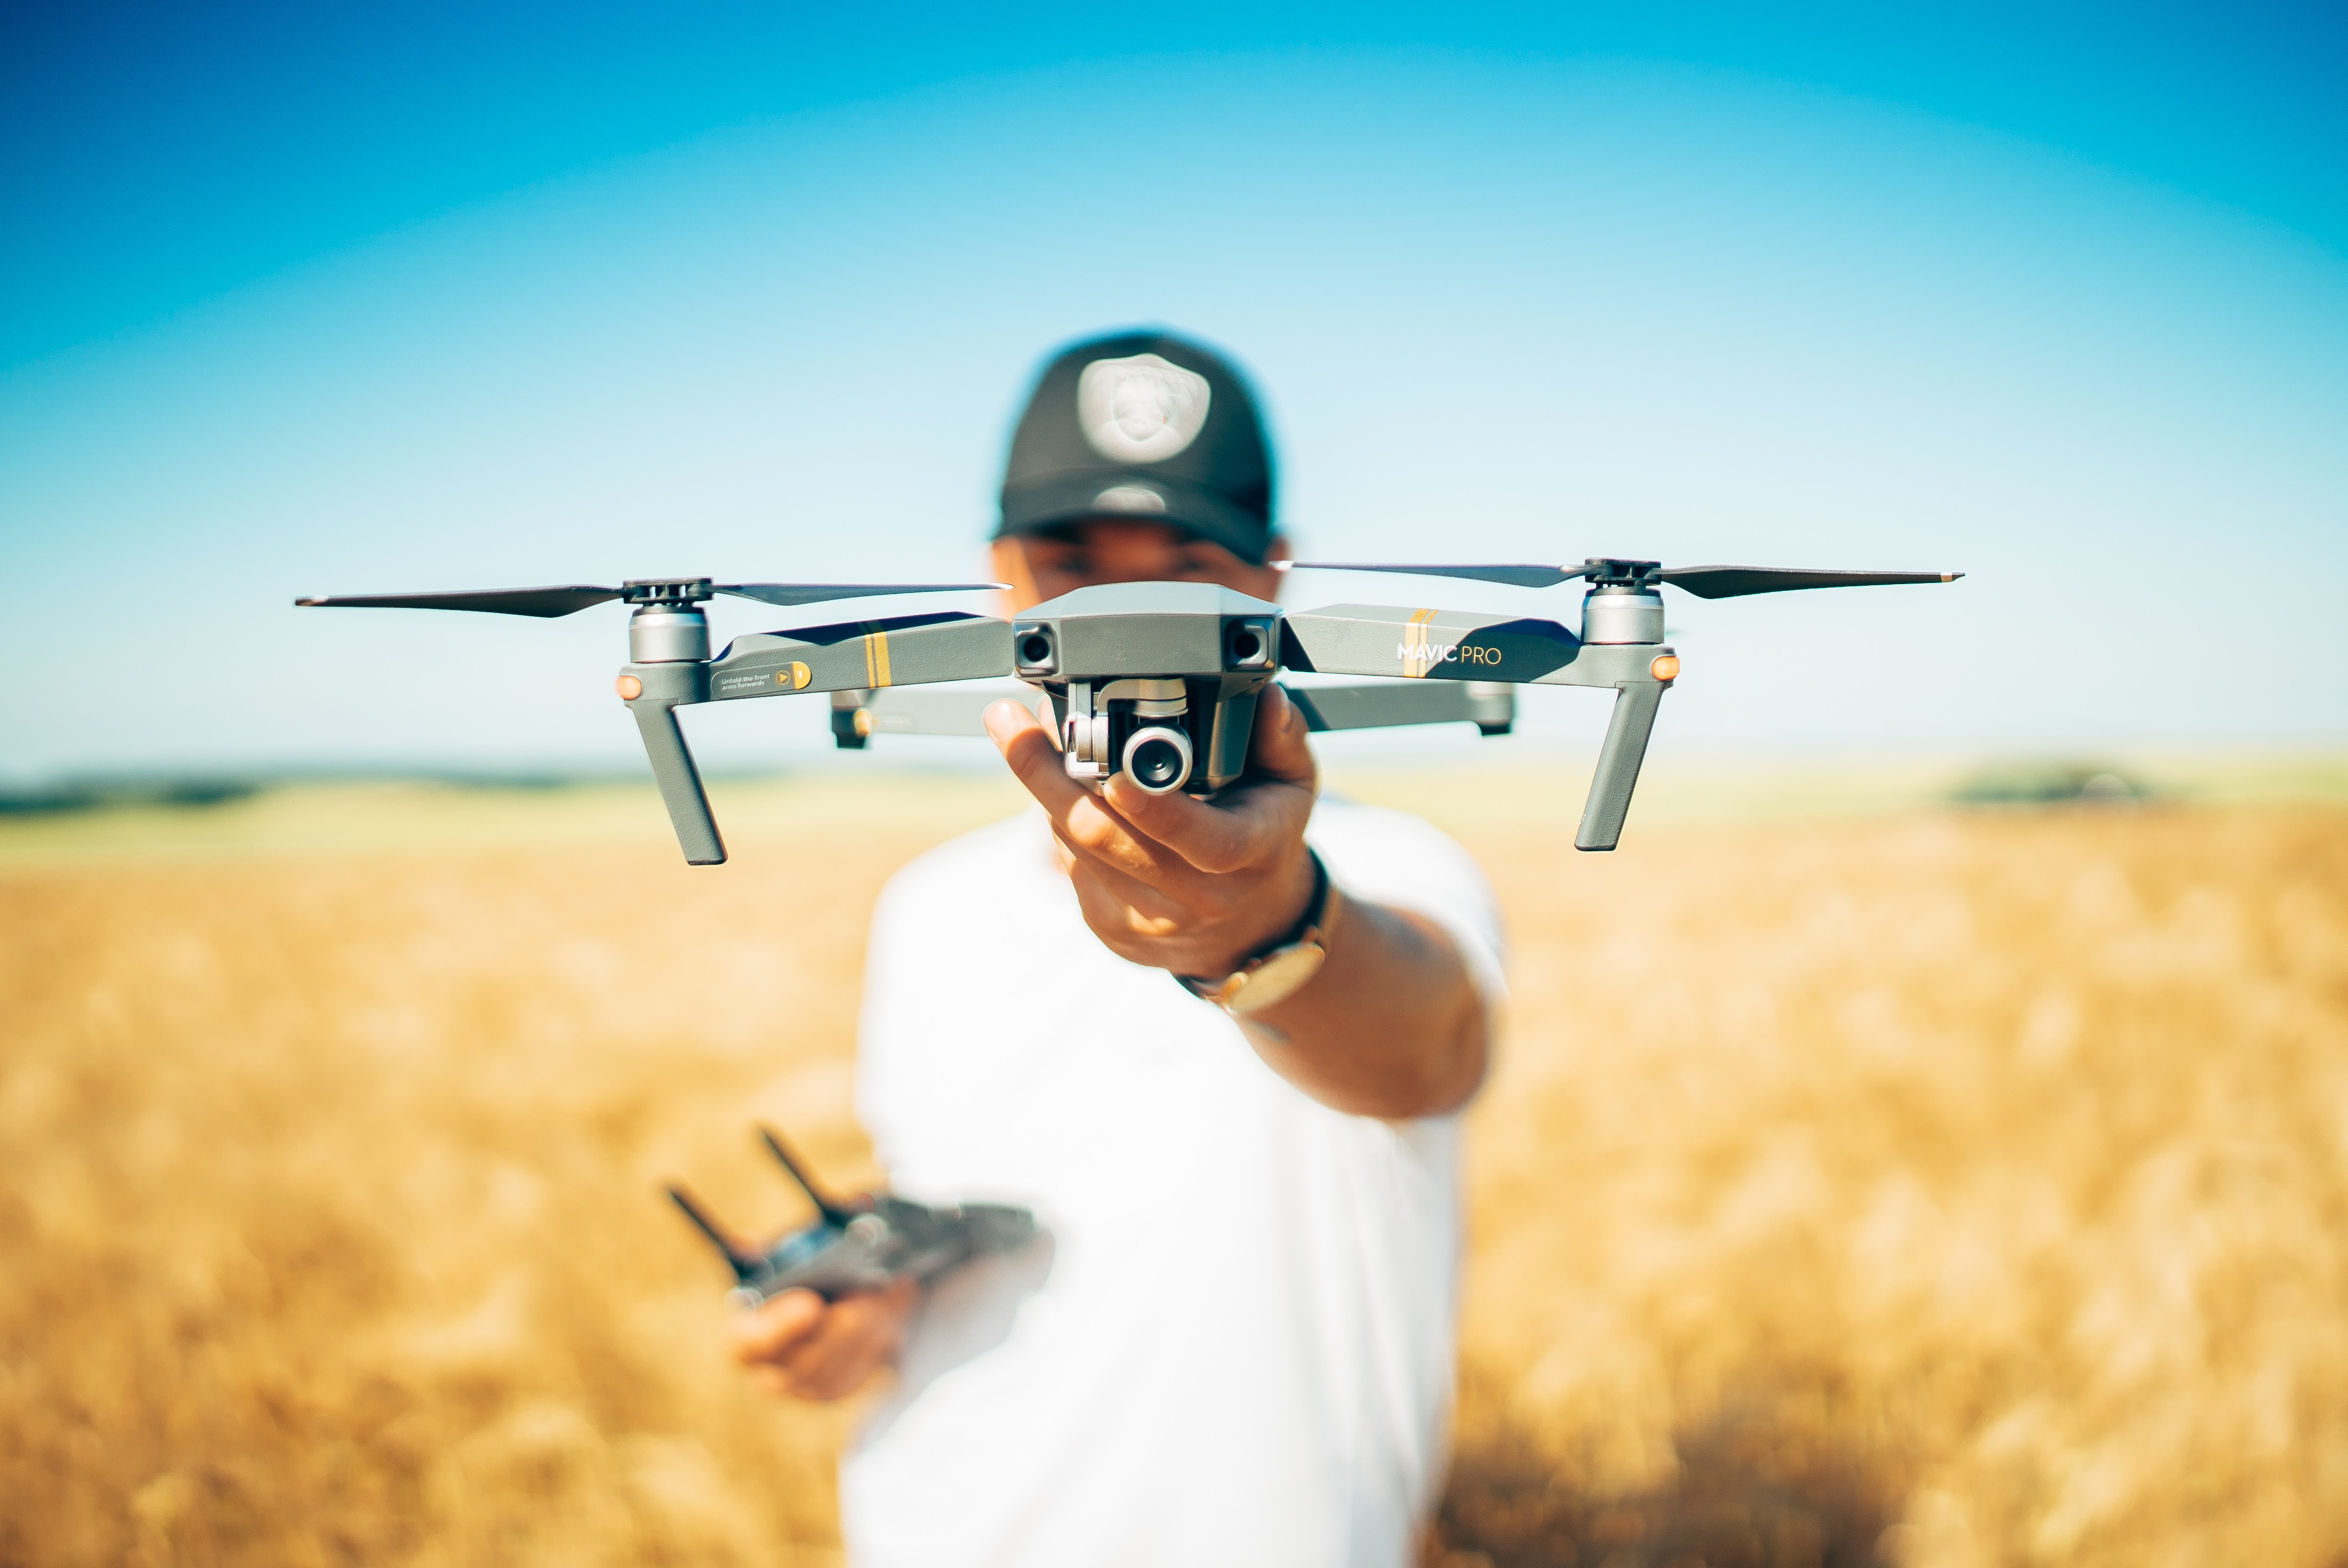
<point x="864" y="1243"/>
<point x="1160" y="679"/>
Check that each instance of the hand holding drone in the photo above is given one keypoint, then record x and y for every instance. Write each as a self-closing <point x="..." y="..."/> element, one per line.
<point x="1159" y="680"/>
<point x="868" y="1242"/>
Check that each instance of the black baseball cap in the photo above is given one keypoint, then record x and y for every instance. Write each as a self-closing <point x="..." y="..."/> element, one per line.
<point x="1142" y="426"/>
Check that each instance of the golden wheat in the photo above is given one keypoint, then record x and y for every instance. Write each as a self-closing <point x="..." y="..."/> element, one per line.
<point x="1947" y="1189"/>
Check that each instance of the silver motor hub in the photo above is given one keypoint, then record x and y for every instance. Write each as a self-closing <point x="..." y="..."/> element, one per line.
<point x="1615" y="614"/>
<point x="668" y="634"/>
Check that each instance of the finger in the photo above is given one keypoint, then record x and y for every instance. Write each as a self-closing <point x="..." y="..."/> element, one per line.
<point x="1256" y="824"/>
<point x="1124" y="930"/>
<point x="765" y="1334"/>
<point x="1034" y="757"/>
<point x="1165" y="889"/>
<point x="1097" y="830"/>
<point x="1281" y="747"/>
<point x="851" y="1319"/>
<point x="1255" y="827"/>
<point x="859" y="1334"/>
<point x="858" y="1360"/>
<point x="1078" y="817"/>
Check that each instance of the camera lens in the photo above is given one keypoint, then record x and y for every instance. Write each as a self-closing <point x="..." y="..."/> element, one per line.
<point x="1035" y="649"/>
<point x="1159" y="759"/>
<point x="1247" y="645"/>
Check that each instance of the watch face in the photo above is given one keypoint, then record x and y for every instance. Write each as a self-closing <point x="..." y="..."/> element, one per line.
<point x="1279" y="976"/>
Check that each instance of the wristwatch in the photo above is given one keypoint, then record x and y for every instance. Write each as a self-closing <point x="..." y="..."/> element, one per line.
<point x="1278" y="970"/>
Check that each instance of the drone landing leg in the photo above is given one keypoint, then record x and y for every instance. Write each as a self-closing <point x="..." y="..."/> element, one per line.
<point x="680" y="783"/>
<point x="1618" y="765"/>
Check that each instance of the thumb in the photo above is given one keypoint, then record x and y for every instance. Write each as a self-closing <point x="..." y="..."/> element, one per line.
<point x="1280" y="749"/>
<point x="776" y="1324"/>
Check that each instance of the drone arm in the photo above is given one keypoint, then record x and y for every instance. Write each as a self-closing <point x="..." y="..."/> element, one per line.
<point x="862" y="655"/>
<point x="1424" y="644"/>
<point x="932" y="710"/>
<point x="1429" y="646"/>
<point x="1491" y="706"/>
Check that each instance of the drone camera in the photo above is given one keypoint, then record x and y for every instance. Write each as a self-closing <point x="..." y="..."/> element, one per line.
<point x="1158" y="758"/>
<point x="1032" y="651"/>
<point x="1250" y="644"/>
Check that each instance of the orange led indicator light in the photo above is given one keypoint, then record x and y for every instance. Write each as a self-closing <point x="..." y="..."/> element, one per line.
<point x="1666" y="667"/>
<point x="631" y="688"/>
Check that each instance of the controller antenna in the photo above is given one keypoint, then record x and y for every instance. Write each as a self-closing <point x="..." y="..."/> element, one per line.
<point x="834" y="1212"/>
<point x="746" y="1263"/>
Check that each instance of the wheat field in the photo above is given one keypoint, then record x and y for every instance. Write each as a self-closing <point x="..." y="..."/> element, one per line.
<point x="1909" y="1186"/>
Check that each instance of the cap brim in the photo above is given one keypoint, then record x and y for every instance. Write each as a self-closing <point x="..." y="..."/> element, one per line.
<point x="1202" y="510"/>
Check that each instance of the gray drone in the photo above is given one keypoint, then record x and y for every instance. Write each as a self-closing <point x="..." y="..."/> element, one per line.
<point x="862" y="1243"/>
<point x="1156" y="679"/>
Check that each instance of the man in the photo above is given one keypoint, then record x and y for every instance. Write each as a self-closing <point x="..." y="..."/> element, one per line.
<point x="1234" y="1344"/>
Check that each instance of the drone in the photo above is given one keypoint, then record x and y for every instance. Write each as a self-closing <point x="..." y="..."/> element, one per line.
<point x="863" y="1242"/>
<point x="1158" y="680"/>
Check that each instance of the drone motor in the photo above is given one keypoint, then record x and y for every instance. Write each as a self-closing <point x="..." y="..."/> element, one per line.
<point x="1616" y="613"/>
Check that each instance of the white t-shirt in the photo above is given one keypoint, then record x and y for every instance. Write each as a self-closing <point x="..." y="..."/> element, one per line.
<point x="1234" y="1346"/>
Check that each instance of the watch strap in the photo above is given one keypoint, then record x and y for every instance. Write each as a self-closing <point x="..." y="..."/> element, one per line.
<point x="1307" y="927"/>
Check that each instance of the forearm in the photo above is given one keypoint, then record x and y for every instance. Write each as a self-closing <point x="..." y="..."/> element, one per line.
<point x="1393" y="1026"/>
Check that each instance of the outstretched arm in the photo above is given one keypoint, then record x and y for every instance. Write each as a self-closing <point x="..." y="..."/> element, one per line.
<point x="1392" y="1025"/>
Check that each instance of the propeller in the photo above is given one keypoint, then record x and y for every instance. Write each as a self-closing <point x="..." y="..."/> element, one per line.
<point x="549" y="602"/>
<point x="1703" y="581"/>
<point x="1735" y="582"/>
<point x="1514" y="576"/>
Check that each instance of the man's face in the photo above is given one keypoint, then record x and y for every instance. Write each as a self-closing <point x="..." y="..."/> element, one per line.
<point x="1040" y="566"/>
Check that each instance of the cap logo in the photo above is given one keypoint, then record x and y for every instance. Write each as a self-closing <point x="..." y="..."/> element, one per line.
<point x="1142" y="409"/>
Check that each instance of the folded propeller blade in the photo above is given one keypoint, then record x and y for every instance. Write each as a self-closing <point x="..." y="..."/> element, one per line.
<point x="543" y="602"/>
<point x="1703" y="581"/>
<point x="549" y="602"/>
<point x="1514" y="576"/>
<point x="1732" y="582"/>
<point x="789" y="593"/>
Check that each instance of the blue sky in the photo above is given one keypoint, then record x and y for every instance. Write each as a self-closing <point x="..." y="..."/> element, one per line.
<point x="156" y="155"/>
<point x="297" y="303"/>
